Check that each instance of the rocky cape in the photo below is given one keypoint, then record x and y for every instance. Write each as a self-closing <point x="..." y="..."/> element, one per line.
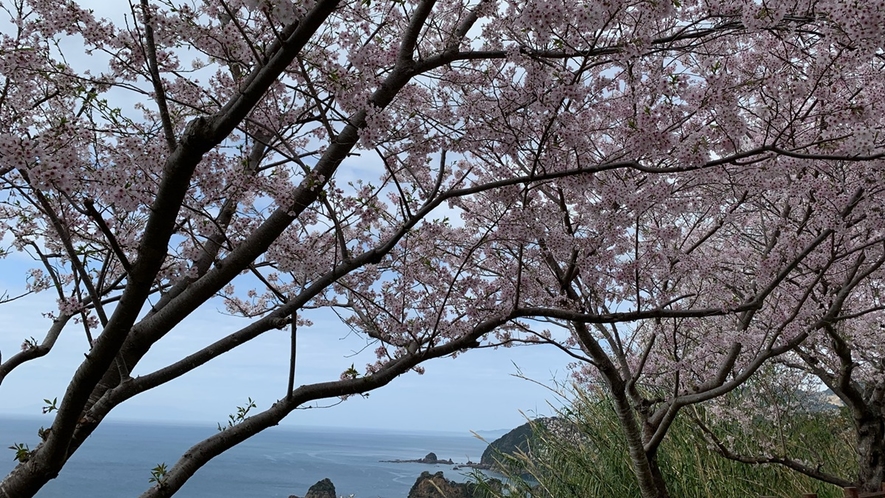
<point x="429" y="459"/>
<point x="426" y="486"/>
<point x="518" y="441"/>
<point x="432" y="459"/>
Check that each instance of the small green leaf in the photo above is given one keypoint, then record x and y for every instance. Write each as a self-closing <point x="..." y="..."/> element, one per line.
<point x="51" y="406"/>
<point x="158" y="474"/>
<point x="22" y="452"/>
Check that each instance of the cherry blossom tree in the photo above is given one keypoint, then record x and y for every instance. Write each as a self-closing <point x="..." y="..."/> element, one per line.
<point x="671" y="192"/>
<point x="845" y="357"/>
<point x="713" y="238"/>
<point x="721" y="211"/>
<point x="848" y="360"/>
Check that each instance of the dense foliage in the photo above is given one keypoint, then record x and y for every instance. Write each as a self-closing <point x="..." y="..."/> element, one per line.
<point x="586" y="458"/>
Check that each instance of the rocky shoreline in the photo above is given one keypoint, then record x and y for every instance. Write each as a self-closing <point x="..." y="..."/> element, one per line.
<point x="436" y="485"/>
<point x="426" y="486"/>
<point x="431" y="459"/>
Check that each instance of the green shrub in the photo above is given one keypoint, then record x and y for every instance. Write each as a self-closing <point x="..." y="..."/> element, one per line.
<point x="586" y="456"/>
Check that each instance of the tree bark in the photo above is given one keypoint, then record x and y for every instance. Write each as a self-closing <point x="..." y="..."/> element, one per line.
<point x="870" y="432"/>
<point x="645" y="464"/>
<point x="657" y="477"/>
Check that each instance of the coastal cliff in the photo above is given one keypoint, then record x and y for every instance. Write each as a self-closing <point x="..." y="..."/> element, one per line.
<point x="515" y="442"/>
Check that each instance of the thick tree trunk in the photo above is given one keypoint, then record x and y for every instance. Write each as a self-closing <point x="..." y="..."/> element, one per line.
<point x="870" y="452"/>
<point x="651" y="483"/>
<point x="645" y="465"/>
<point x="657" y="476"/>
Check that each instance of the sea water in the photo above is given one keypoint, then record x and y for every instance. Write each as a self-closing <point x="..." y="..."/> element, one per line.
<point x="116" y="461"/>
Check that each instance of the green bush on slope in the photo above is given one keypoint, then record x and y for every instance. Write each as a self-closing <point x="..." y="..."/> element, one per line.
<point x="586" y="457"/>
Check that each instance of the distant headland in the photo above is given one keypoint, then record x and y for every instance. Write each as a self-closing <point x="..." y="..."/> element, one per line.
<point x="436" y="485"/>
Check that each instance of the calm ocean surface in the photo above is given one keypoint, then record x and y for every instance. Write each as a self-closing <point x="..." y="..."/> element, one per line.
<point x="116" y="460"/>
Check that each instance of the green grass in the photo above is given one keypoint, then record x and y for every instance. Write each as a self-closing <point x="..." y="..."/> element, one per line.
<point x="593" y="462"/>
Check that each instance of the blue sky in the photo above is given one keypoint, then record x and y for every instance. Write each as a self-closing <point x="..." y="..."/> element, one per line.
<point x="476" y="391"/>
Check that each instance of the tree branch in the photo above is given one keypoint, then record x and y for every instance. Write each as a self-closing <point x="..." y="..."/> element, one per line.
<point x="153" y="67"/>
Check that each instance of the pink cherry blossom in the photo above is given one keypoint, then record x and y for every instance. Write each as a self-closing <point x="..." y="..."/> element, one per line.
<point x="678" y="194"/>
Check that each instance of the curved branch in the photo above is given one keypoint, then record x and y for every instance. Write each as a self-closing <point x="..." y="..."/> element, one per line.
<point x="33" y="353"/>
<point x="201" y="453"/>
<point x="812" y="472"/>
